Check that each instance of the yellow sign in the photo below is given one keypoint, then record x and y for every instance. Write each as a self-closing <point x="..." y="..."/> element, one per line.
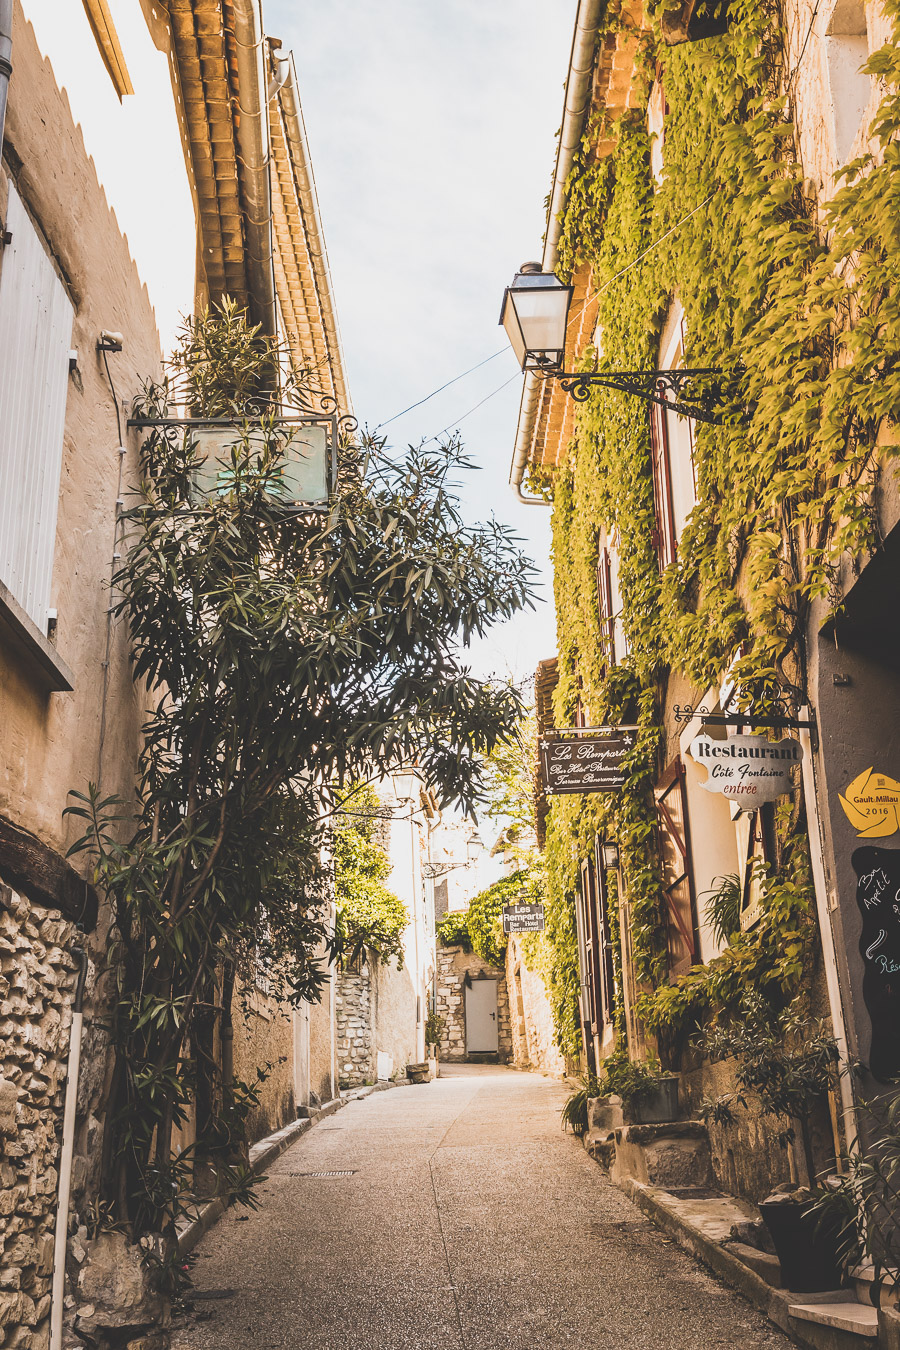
<point x="872" y="805"/>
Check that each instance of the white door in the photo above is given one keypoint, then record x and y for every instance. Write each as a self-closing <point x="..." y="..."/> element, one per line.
<point x="481" y="1018"/>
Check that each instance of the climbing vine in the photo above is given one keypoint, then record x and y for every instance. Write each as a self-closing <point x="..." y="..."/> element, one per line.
<point x="797" y="301"/>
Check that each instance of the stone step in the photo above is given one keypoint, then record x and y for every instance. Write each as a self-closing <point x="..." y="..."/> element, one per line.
<point x="859" y="1318"/>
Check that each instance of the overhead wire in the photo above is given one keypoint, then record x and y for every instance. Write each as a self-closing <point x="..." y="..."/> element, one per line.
<point x="453" y="425"/>
<point x="441" y="389"/>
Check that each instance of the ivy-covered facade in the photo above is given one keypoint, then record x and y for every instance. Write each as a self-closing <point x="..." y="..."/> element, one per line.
<point x="708" y="219"/>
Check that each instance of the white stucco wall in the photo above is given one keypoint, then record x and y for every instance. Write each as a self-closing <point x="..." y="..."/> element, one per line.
<point x="136" y="144"/>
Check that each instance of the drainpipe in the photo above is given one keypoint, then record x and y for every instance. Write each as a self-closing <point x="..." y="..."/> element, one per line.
<point x="823" y="913"/>
<point x="6" y="18"/>
<point x="253" y="162"/>
<point x="295" y="130"/>
<point x="579" y="87"/>
<point x="58" y="1288"/>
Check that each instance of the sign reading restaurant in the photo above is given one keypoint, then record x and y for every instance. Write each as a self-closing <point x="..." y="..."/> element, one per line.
<point x="747" y="769"/>
<point x="586" y="761"/>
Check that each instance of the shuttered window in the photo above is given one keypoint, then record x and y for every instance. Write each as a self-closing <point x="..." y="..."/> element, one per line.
<point x="36" y="318"/>
<point x="675" y="859"/>
<point x="606" y="605"/>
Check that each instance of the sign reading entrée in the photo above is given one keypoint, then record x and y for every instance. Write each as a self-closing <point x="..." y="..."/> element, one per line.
<point x="523" y="918"/>
<point x="747" y="769"/>
<point x="587" y="763"/>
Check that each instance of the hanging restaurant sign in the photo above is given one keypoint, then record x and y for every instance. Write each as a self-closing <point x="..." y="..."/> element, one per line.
<point x="589" y="760"/>
<point x="747" y="769"/>
<point x="523" y="918"/>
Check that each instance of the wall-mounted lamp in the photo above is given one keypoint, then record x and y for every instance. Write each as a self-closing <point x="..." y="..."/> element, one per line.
<point x="609" y="852"/>
<point x="535" y="315"/>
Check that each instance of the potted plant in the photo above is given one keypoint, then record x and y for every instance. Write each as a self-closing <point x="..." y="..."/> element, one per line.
<point x="863" y="1205"/>
<point x="649" y="1096"/>
<point x="434" y="1030"/>
<point x="575" y="1108"/>
<point x="785" y="1064"/>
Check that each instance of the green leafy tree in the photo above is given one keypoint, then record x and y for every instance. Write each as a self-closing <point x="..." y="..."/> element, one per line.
<point x="279" y="652"/>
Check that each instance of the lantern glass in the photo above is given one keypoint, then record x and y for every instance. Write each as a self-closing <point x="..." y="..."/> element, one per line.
<point x="405" y="782"/>
<point x="535" y="314"/>
<point x="610" y="853"/>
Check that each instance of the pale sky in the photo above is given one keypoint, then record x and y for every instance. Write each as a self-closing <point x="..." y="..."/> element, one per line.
<point x="432" y="135"/>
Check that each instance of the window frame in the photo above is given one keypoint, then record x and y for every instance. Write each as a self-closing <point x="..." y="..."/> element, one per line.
<point x="684" y="924"/>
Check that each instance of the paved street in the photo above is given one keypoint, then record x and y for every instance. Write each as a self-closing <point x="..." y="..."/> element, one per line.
<point x="470" y="1220"/>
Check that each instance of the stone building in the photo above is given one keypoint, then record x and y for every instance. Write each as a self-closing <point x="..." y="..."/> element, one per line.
<point x="382" y="1006"/>
<point x="470" y="996"/>
<point x="659" y="157"/>
<point x="131" y="193"/>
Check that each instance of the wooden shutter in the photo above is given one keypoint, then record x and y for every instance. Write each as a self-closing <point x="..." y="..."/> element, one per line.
<point x="36" y="318"/>
<point x="607" y="965"/>
<point x="675" y="860"/>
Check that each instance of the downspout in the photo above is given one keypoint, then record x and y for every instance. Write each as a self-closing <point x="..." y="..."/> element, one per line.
<point x="6" y="20"/>
<point x="253" y="161"/>
<point x="289" y="97"/>
<point x="826" y="934"/>
<point x="58" y="1288"/>
<point x="579" y="86"/>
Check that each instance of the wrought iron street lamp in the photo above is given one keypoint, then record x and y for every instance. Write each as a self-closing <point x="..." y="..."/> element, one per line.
<point x="535" y="315"/>
<point x="609" y="852"/>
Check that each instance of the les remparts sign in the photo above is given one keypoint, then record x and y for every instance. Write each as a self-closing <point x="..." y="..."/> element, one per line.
<point x="747" y="769"/>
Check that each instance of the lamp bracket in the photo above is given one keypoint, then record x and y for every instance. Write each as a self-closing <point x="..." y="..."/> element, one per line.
<point x="745" y="719"/>
<point x="664" y="387"/>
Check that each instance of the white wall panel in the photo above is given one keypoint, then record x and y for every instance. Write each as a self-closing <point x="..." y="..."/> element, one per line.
<point x="36" y="317"/>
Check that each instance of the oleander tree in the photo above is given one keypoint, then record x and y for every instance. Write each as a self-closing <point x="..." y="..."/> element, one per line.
<point x="284" y="654"/>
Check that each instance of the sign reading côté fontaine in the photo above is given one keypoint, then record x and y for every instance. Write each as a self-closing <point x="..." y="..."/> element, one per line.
<point x="747" y="769"/>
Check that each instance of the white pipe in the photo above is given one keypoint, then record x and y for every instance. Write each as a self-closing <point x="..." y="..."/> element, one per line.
<point x="823" y="911"/>
<point x="579" y="88"/>
<point x="289" y="99"/>
<point x="253" y="161"/>
<point x="58" y="1288"/>
<point x="6" y="22"/>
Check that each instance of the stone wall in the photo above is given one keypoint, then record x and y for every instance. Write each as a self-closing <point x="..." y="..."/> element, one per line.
<point x="36" y="980"/>
<point x="353" y="1016"/>
<point x="453" y="964"/>
<point x="533" y="1036"/>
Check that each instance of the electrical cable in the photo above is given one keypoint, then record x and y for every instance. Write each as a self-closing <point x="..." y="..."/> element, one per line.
<point x="440" y="390"/>
<point x="803" y="48"/>
<point x="663" y="237"/>
<point x="453" y="425"/>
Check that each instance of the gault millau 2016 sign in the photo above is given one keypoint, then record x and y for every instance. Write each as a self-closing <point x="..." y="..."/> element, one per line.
<point x="587" y="763"/>
<point x="747" y="769"/>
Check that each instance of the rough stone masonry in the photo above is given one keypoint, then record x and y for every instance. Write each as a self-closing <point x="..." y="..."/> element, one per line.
<point x="36" y="979"/>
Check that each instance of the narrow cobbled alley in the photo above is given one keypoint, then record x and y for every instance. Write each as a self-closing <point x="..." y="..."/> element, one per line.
<point x="452" y="1214"/>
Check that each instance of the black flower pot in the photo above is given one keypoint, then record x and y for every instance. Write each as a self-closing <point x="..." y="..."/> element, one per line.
<point x="657" y="1107"/>
<point x="807" y="1247"/>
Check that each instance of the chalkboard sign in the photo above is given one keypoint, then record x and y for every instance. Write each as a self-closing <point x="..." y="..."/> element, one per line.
<point x="523" y="918"/>
<point x="878" y="897"/>
<point x="591" y="763"/>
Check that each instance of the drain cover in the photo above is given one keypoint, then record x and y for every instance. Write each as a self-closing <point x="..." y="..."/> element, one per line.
<point x="347" y="1172"/>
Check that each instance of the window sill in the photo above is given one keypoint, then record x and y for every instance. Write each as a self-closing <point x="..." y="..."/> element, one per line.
<point x="24" y="637"/>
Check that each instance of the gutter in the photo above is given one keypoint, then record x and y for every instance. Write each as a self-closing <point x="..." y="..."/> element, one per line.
<point x="253" y="162"/>
<point x="579" y="87"/>
<point x="298" y="146"/>
<point x="6" y="22"/>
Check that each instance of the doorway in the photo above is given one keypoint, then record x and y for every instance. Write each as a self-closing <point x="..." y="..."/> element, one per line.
<point x="482" y="1031"/>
